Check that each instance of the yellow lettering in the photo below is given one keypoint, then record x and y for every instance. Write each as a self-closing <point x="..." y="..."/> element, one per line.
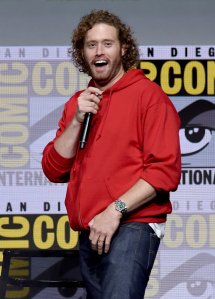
<point x="14" y="244"/>
<point x="196" y="232"/>
<point x="44" y="238"/>
<point x="12" y="110"/>
<point x="150" y="69"/>
<point x="211" y="77"/>
<point x="16" y="294"/>
<point x="200" y="77"/>
<point x="61" y="234"/>
<point x="13" y="134"/>
<point x="41" y="84"/>
<point x="18" y="227"/>
<point x="14" y="156"/>
<point x="168" y="72"/>
<point x="66" y="72"/>
<point x="174" y="232"/>
<point x="18" y="73"/>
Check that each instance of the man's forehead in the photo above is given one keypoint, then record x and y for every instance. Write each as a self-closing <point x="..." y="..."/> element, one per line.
<point x="102" y="30"/>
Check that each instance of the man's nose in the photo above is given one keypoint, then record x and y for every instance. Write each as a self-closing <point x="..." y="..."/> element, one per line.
<point x="99" y="49"/>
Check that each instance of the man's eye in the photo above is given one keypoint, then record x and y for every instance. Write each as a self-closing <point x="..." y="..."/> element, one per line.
<point x="194" y="139"/>
<point x="91" y="45"/>
<point x="108" y="44"/>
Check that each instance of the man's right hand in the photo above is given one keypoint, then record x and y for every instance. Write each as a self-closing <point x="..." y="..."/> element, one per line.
<point x="88" y="101"/>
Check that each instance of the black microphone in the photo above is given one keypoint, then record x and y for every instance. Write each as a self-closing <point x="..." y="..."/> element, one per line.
<point x="85" y="129"/>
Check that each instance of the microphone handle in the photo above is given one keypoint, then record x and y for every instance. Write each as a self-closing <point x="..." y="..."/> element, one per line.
<point x="85" y="129"/>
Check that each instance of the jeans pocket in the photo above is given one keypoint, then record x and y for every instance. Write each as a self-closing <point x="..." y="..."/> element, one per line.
<point x="153" y="249"/>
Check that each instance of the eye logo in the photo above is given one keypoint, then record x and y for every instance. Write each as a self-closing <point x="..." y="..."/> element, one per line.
<point x="192" y="279"/>
<point x="194" y="139"/>
<point x="197" y="131"/>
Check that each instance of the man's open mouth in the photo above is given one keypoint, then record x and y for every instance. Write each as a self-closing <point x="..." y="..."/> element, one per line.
<point x="100" y="63"/>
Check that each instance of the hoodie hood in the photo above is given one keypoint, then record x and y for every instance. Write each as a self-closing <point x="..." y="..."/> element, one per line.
<point x="129" y="78"/>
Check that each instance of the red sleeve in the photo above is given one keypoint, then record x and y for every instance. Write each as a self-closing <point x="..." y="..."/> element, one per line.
<point x="55" y="167"/>
<point x="161" y="147"/>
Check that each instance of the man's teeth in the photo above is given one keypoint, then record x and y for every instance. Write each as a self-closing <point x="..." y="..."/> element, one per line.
<point x="100" y="62"/>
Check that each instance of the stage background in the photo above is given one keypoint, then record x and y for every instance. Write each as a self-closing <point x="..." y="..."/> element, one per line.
<point x="37" y="77"/>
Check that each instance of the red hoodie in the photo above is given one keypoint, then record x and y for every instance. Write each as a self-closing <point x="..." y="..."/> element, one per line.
<point x="134" y="135"/>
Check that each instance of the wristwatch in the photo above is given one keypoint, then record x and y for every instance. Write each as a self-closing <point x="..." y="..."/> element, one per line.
<point x="120" y="206"/>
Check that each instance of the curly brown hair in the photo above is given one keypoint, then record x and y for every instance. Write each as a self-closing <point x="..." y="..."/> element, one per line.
<point x="129" y="60"/>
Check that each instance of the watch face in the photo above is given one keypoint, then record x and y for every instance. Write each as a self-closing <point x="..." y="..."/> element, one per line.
<point x="120" y="206"/>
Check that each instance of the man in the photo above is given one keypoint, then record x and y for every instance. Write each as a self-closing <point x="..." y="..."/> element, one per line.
<point x="119" y="184"/>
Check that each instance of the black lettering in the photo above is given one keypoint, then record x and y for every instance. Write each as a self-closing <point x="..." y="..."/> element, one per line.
<point x="45" y="52"/>
<point x="9" y="207"/>
<point x="46" y="206"/>
<point x="22" y="52"/>
<point x="23" y="206"/>
<point x="38" y="178"/>
<point x="197" y="177"/>
<point x="2" y="179"/>
<point x="7" y="53"/>
<point x="198" y="52"/>
<point x="212" y="205"/>
<point x="58" y="53"/>
<point x="150" y="52"/>
<point x="207" y="176"/>
<point x="174" y="52"/>
<point x="175" y="205"/>
<point x="211" y="52"/>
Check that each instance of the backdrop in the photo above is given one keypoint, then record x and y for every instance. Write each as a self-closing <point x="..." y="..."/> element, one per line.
<point x="35" y="81"/>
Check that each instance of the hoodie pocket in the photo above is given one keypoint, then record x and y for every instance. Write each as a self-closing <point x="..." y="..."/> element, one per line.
<point x="85" y="200"/>
<point x="72" y="206"/>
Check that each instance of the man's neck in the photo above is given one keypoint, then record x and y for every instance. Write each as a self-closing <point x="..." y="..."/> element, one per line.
<point x="105" y="86"/>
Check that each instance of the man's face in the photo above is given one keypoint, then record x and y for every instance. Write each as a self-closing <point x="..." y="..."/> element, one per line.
<point x="103" y="54"/>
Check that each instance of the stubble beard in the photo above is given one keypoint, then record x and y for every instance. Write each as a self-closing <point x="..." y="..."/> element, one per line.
<point x="104" y="79"/>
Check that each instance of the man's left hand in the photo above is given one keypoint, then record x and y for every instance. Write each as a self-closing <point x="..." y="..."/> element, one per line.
<point x="102" y="228"/>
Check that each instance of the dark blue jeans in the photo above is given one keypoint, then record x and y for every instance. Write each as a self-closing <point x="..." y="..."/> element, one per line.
<point x="123" y="272"/>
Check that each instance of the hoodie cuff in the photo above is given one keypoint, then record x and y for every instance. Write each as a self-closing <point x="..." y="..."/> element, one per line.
<point x="60" y="161"/>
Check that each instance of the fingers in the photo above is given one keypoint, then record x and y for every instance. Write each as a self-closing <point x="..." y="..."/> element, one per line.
<point x="100" y="242"/>
<point x="89" y="98"/>
<point x="88" y="101"/>
<point x="102" y="228"/>
<point x="100" y="245"/>
<point x="107" y="244"/>
<point x="93" y="90"/>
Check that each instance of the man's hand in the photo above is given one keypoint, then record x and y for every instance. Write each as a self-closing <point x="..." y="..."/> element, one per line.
<point x="88" y="101"/>
<point x="102" y="228"/>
